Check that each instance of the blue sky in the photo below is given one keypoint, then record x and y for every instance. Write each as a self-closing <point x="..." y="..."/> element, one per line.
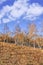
<point x="21" y="12"/>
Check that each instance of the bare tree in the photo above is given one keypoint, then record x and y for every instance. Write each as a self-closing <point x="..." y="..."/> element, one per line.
<point x="17" y="28"/>
<point x="32" y="30"/>
<point x="6" y="28"/>
<point x="42" y="28"/>
<point x="17" y="31"/>
<point x="6" y="32"/>
<point x="32" y="33"/>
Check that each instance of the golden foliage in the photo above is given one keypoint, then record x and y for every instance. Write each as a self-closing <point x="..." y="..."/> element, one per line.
<point x="19" y="38"/>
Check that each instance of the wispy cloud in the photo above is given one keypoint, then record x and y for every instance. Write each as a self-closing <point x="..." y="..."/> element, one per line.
<point x="34" y="11"/>
<point x="6" y="20"/>
<point x="15" y="11"/>
<point x="19" y="8"/>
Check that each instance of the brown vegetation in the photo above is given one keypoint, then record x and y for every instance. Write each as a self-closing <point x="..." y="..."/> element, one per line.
<point x="10" y="54"/>
<point x="21" y="48"/>
<point x="21" y="38"/>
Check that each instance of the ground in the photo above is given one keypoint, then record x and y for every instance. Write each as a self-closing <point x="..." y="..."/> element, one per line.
<point x="10" y="54"/>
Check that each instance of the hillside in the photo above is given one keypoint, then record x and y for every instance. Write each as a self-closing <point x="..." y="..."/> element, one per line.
<point x="10" y="54"/>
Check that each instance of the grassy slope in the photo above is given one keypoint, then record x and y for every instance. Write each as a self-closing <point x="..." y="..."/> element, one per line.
<point x="10" y="54"/>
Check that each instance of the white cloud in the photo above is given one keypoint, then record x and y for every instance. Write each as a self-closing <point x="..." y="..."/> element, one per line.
<point x="19" y="8"/>
<point x="1" y="1"/>
<point x="34" y="11"/>
<point x="5" y="20"/>
<point x="4" y="11"/>
<point x="15" y="11"/>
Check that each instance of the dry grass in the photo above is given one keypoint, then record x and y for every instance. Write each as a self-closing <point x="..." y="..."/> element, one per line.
<point x="10" y="54"/>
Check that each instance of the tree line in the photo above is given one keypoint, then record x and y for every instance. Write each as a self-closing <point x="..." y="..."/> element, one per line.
<point x="18" y="37"/>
